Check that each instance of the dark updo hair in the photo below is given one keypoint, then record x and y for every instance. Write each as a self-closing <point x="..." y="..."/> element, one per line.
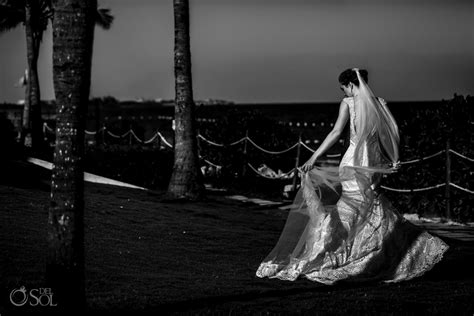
<point x="350" y="75"/>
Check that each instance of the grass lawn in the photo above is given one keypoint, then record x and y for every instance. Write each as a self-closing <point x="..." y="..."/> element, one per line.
<point x="144" y="255"/>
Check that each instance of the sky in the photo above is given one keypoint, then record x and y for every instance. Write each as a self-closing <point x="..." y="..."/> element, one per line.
<point x="264" y="51"/>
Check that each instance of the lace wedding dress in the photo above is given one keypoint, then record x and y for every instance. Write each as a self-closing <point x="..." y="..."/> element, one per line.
<point x="354" y="235"/>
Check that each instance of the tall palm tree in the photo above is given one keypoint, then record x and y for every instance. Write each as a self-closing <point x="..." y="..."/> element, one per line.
<point x="35" y="15"/>
<point x="73" y="36"/>
<point x="186" y="178"/>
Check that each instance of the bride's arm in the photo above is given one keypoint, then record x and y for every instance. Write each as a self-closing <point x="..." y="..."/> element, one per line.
<point x="331" y="138"/>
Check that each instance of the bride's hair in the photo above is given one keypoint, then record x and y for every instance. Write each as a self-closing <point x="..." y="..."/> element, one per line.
<point x="349" y="75"/>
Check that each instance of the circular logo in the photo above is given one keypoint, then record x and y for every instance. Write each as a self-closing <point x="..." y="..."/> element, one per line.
<point x="18" y="297"/>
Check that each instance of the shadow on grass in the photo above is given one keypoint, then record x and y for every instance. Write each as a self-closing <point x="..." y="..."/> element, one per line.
<point x="147" y="256"/>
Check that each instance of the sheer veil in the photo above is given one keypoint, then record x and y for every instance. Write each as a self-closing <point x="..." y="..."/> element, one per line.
<point x="373" y="117"/>
<point x="340" y="196"/>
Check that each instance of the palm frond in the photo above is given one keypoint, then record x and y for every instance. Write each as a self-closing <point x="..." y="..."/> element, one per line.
<point x="103" y="18"/>
<point x="12" y="13"/>
<point x="46" y="9"/>
<point x="43" y="13"/>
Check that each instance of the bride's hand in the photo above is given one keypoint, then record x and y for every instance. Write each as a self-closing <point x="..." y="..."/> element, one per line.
<point x="308" y="165"/>
<point x="395" y="166"/>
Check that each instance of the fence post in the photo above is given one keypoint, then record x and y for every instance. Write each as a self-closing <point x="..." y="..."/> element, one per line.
<point x="103" y="134"/>
<point x="244" y="168"/>
<point x="45" y="137"/>
<point x="198" y="142"/>
<point x="297" y="163"/>
<point x="448" y="180"/>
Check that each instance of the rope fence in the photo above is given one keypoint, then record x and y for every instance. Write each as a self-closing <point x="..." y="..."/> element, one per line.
<point x="421" y="159"/>
<point x="163" y="139"/>
<point x="46" y="127"/>
<point x="118" y="136"/>
<point x="461" y="188"/>
<point x="151" y="139"/>
<point x="239" y="141"/>
<point x="210" y="142"/>
<point x="268" y="151"/>
<point x="414" y="190"/>
<point x="91" y="133"/>
<point x="460" y="155"/>
<point x="270" y="174"/>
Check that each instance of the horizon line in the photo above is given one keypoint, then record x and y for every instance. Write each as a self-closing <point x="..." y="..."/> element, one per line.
<point x="228" y="102"/>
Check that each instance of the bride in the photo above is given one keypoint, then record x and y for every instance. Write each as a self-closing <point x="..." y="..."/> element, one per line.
<point x="340" y="226"/>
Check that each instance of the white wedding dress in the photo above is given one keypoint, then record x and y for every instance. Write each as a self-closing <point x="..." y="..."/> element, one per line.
<point x="358" y="236"/>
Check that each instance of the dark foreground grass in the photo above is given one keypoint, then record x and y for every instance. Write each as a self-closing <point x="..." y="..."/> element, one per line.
<point x="148" y="256"/>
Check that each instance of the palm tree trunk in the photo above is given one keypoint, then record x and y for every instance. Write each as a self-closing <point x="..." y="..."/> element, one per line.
<point x="186" y="178"/>
<point x="73" y="33"/>
<point x="32" y="109"/>
<point x="26" y="122"/>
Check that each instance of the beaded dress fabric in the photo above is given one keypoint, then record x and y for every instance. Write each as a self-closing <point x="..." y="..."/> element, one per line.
<point x="341" y="227"/>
